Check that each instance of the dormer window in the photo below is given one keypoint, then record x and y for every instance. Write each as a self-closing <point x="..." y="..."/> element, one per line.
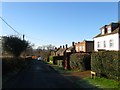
<point x="109" y="29"/>
<point x="103" y="31"/>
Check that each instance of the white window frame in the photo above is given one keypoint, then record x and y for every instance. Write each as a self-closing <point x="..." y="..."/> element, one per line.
<point x="103" y="31"/>
<point x="111" y="43"/>
<point x="98" y="44"/>
<point x="109" y="29"/>
<point x="104" y="44"/>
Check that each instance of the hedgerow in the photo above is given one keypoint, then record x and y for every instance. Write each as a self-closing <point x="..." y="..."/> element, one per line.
<point x="80" y="61"/>
<point x="106" y="64"/>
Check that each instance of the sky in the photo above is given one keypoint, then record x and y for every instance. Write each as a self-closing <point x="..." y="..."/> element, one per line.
<point x="57" y="23"/>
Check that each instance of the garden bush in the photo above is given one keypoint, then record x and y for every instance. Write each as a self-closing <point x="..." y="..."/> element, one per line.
<point x="51" y="58"/>
<point x="106" y="64"/>
<point x="80" y="61"/>
<point x="14" y="64"/>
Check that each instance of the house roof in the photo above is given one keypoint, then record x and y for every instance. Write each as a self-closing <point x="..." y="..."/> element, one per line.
<point x="61" y="51"/>
<point x="113" y="32"/>
<point x="71" y="49"/>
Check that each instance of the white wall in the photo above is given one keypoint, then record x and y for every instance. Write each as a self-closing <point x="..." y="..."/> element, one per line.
<point x="114" y="37"/>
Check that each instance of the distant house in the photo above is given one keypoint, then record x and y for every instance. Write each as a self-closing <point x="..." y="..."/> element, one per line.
<point x="71" y="49"/>
<point x="53" y="52"/>
<point x="61" y="51"/>
<point x="109" y="38"/>
<point x="85" y="46"/>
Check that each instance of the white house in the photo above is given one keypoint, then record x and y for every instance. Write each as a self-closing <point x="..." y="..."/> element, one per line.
<point x="109" y="38"/>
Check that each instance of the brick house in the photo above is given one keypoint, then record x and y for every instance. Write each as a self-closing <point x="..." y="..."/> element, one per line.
<point x="109" y="38"/>
<point x="84" y="46"/>
<point x="61" y="51"/>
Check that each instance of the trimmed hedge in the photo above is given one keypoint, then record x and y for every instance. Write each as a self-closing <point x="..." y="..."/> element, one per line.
<point x="80" y="61"/>
<point x="106" y="64"/>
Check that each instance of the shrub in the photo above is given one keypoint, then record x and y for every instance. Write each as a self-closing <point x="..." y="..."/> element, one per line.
<point x="51" y="58"/>
<point x="14" y="45"/>
<point x="14" y="64"/>
<point x="106" y="64"/>
<point x="80" y="61"/>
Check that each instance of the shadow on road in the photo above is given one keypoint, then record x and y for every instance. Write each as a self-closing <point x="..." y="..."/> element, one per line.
<point x="41" y="75"/>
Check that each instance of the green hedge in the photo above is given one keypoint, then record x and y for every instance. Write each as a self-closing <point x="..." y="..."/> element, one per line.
<point x="80" y="61"/>
<point x="106" y="64"/>
<point x="14" y="64"/>
<point x="51" y="58"/>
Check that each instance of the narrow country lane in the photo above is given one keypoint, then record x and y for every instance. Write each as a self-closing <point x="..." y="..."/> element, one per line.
<point x="39" y="75"/>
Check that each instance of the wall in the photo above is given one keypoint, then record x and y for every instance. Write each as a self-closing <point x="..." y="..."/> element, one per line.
<point x="101" y="39"/>
<point x="89" y="46"/>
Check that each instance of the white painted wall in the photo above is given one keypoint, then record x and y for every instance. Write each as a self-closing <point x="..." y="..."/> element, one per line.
<point x="114" y="37"/>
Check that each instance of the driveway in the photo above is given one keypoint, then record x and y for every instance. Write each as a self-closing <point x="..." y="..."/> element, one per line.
<point x="39" y="75"/>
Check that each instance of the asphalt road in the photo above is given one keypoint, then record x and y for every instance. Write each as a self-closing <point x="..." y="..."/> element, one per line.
<point x="39" y="75"/>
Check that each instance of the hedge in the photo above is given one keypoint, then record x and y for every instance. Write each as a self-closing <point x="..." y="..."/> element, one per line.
<point x="51" y="58"/>
<point x="80" y="61"/>
<point x="106" y="64"/>
<point x="14" y="64"/>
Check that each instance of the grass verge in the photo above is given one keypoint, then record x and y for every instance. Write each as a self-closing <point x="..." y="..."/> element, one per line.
<point x="87" y="82"/>
<point x="103" y="82"/>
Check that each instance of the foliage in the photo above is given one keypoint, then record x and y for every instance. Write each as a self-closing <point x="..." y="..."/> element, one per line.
<point x="80" y="61"/>
<point x="62" y="70"/>
<point x="14" y="45"/>
<point x="103" y="82"/>
<point x="51" y="58"/>
<point x="46" y="47"/>
<point x="44" y="54"/>
<point x="106" y="64"/>
<point x="14" y="64"/>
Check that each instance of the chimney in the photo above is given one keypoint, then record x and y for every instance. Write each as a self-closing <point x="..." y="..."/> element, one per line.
<point x="60" y="46"/>
<point x="63" y="46"/>
<point x="73" y="43"/>
<point x="66" y="46"/>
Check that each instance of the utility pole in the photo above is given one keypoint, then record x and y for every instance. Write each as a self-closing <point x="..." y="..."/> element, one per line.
<point x="25" y="50"/>
<point x="23" y="37"/>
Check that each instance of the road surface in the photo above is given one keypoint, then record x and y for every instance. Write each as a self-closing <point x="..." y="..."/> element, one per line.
<point x="39" y="75"/>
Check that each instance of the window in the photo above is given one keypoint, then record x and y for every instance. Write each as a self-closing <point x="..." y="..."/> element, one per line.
<point x="77" y="48"/>
<point x="103" y="31"/>
<point x="111" y="43"/>
<point x="81" y="48"/>
<point x="104" y="44"/>
<point x="109" y="29"/>
<point x="98" y="44"/>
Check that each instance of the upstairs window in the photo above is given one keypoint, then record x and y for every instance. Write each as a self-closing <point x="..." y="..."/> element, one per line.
<point x="104" y="44"/>
<point x="103" y="31"/>
<point x="111" y="43"/>
<point x="81" y="48"/>
<point x="109" y="29"/>
<point x="98" y="44"/>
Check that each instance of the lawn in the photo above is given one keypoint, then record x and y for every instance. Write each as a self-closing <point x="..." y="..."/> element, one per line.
<point x="103" y="82"/>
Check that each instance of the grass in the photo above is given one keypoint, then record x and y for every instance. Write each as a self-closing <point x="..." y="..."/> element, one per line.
<point x="62" y="70"/>
<point x="88" y="82"/>
<point x="103" y="82"/>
